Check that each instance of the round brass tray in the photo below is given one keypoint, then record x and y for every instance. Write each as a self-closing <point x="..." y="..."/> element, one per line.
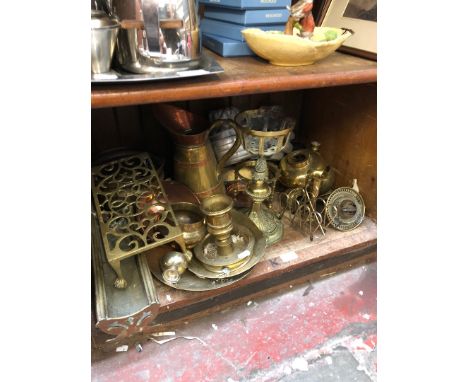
<point x="188" y="281"/>
<point x="258" y="251"/>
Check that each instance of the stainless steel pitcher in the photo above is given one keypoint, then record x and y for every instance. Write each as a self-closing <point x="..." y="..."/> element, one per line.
<point x="157" y="35"/>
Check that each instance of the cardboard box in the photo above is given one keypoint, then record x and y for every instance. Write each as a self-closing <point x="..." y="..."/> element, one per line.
<point x="249" y="17"/>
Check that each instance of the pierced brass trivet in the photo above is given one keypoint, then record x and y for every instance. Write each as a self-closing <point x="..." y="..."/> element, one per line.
<point x="133" y="210"/>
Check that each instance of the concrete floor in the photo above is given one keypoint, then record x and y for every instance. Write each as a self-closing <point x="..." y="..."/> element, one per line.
<point x="320" y="332"/>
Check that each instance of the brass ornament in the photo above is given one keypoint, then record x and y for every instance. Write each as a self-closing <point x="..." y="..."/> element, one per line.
<point x="298" y="165"/>
<point x="173" y="265"/>
<point x="345" y="209"/>
<point x="302" y="205"/>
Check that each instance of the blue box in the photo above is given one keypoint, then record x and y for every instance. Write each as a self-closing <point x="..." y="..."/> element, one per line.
<point x="232" y="31"/>
<point x="226" y="47"/>
<point x="249" y="17"/>
<point x="248" y="4"/>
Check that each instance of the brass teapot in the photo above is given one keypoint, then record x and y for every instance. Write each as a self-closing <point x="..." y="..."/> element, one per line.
<point x="299" y="164"/>
<point x="194" y="159"/>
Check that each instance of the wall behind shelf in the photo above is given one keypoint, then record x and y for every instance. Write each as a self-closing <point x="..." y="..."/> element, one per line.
<point x="344" y="120"/>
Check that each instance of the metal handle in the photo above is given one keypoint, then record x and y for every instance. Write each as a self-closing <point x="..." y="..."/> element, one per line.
<point x="234" y="147"/>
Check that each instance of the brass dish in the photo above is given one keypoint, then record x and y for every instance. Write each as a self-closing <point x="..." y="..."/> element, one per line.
<point x="245" y="170"/>
<point x="191" y="222"/>
<point x="188" y="281"/>
<point x="258" y="252"/>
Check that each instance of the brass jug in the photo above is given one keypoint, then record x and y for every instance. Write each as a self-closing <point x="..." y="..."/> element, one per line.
<point x="194" y="159"/>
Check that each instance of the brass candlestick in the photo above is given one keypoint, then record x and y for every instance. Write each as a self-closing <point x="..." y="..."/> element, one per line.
<point x="217" y="210"/>
<point x="259" y="190"/>
<point x="265" y="132"/>
<point x="226" y="247"/>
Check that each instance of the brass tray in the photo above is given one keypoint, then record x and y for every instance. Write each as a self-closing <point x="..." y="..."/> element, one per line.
<point x="128" y="224"/>
<point x="188" y="281"/>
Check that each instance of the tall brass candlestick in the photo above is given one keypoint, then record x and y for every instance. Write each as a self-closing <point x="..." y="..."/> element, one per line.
<point x="217" y="210"/>
<point x="259" y="190"/>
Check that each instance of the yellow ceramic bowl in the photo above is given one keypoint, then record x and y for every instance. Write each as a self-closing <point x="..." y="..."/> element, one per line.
<point x="289" y="50"/>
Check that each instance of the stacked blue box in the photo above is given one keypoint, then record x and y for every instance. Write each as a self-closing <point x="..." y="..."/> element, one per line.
<point x="232" y="31"/>
<point x="248" y="17"/>
<point x="248" y="4"/>
<point x="224" y="21"/>
<point x="226" y="47"/>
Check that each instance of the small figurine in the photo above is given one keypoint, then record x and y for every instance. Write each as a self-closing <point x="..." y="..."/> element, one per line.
<point x="301" y="13"/>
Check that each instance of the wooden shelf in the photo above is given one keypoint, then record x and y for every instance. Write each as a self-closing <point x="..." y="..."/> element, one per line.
<point x="286" y="262"/>
<point x="293" y="260"/>
<point x="243" y="75"/>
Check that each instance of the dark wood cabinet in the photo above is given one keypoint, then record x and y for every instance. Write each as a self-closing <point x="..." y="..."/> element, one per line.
<point x="334" y="102"/>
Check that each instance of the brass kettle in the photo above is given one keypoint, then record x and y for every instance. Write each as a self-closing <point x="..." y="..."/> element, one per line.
<point x="298" y="164"/>
<point x="194" y="159"/>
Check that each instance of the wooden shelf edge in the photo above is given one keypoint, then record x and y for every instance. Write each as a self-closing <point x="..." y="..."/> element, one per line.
<point x="319" y="268"/>
<point x="241" y="77"/>
<point x="234" y="88"/>
<point x="312" y="273"/>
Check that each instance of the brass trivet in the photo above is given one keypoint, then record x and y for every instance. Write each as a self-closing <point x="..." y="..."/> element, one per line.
<point x="133" y="210"/>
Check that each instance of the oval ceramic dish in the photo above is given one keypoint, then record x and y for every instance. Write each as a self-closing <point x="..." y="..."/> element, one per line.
<point x="289" y="50"/>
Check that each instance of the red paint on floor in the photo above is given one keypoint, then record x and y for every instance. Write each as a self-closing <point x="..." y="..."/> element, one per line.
<point x="252" y="337"/>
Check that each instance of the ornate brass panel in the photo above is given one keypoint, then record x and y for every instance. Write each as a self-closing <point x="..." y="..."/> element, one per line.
<point x="133" y="210"/>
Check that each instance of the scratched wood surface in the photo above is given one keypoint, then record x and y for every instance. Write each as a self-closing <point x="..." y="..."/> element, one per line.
<point x="293" y="260"/>
<point x="293" y="252"/>
<point x="243" y="75"/>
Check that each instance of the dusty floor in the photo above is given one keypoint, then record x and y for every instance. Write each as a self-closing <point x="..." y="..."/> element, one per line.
<point x="320" y="332"/>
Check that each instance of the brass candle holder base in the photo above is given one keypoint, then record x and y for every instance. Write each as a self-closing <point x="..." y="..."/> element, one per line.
<point x="268" y="223"/>
<point x="259" y="190"/>
<point x="257" y="252"/>
<point x="242" y="244"/>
